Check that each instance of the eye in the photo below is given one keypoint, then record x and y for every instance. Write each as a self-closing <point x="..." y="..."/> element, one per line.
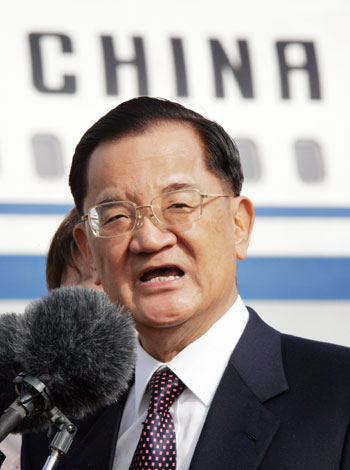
<point x="178" y="205"/>
<point x="116" y="215"/>
<point x="117" y="218"/>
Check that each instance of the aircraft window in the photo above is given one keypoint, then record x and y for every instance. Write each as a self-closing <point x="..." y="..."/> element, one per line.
<point x="309" y="161"/>
<point x="48" y="157"/>
<point x="249" y="158"/>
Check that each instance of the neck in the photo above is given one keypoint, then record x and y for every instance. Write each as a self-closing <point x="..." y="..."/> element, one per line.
<point x="164" y="343"/>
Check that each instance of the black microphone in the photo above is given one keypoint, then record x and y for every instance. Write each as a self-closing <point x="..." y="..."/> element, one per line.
<point x="10" y="329"/>
<point x="78" y="349"/>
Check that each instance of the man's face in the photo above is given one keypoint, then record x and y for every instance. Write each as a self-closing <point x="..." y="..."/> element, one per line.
<point x="167" y="276"/>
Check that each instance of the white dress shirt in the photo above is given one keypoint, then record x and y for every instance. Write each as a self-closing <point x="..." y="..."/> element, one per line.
<point x="200" y="366"/>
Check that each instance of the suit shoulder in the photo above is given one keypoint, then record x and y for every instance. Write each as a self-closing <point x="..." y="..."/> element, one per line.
<point x="316" y="347"/>
<point x="316" y="359"/>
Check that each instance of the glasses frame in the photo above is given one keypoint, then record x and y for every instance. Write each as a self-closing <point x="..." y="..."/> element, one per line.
<point x="139" y="215"/>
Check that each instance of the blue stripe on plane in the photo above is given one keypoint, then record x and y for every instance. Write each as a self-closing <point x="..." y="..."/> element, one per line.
<point x="265" y="278"/>
<point x="35" y="209"/>
<point x="294" y="278"/>
<point x="260" y="211"/>
<point x="268" y="211"/>
<point x="22" y="276"/>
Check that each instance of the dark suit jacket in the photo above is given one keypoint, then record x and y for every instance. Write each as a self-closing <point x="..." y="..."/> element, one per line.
<point x="283" y="404"/>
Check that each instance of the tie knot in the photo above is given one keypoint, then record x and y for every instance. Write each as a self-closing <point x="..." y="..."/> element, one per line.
<point x="165" y="388"/>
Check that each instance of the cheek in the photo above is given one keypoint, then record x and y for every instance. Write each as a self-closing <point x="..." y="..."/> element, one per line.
<point x="221" y="254"/>
<point x="215" y="255"/>
<point x="109" y="260"/>
<point x="221" y="238"/>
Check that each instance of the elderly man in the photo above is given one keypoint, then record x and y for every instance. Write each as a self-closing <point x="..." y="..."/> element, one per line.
<point x="158" y="189"/>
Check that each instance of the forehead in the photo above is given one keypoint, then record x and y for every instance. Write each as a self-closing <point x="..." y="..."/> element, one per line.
<point x="162" y="157"/>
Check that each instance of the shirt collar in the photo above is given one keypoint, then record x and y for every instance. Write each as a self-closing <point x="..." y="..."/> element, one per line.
<point x="145" y="367"/>
<point x="201" y="364"/>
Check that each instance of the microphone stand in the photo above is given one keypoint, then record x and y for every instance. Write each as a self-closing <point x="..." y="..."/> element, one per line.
<point x="41" y="402"/>
<point x="62" y="440"/>
<point x="35" y="398"/>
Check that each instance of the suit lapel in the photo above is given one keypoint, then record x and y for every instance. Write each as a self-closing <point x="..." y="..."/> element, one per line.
<point x="239" y="429"/>
<point x="95" y="443"/>
<point x="118" y="413"/>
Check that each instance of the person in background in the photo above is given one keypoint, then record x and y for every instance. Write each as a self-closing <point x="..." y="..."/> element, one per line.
<point x="65" y="265"/>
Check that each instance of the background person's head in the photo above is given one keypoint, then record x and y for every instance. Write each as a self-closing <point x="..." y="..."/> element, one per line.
<point x="65" y="265"/>
<point x="139" y="114"/>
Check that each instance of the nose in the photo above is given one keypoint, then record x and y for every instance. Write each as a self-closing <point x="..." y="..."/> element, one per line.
<point x="149" y="235"/>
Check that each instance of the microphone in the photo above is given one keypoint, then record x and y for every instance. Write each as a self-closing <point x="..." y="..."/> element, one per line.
<point x="79" y="344"/>
<point x="10" y="329"/>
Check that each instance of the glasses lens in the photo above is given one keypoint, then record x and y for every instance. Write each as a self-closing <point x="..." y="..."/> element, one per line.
<point x="112" y="219"/>
<point x="178" y="207"/>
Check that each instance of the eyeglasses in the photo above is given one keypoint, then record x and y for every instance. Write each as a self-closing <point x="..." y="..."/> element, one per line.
<point x="174" y="208"/>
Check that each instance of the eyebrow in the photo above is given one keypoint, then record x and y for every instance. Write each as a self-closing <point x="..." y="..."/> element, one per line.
<point x="110" y="199"/>
<point x="177" y="186"/>
<point x="168" y="188"/>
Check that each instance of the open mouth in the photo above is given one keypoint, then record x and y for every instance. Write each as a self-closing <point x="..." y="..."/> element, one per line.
<point x="162" y="274"/>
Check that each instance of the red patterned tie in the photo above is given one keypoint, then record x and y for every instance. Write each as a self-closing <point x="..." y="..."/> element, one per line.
<point x="157" y="445"/>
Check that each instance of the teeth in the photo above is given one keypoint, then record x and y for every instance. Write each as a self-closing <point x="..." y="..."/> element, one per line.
<point x="164" y="278"/>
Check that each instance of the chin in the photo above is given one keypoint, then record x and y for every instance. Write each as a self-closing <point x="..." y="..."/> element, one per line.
<point x="166" y="317"/>
<point x="160" y="325"/>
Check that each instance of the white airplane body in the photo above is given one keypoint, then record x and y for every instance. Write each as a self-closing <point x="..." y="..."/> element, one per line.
<point x="275" y="74"/>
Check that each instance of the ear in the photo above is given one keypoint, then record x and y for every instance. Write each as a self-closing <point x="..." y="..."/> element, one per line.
<point x="244" y="219"/>
<point x="82" y="242"/>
